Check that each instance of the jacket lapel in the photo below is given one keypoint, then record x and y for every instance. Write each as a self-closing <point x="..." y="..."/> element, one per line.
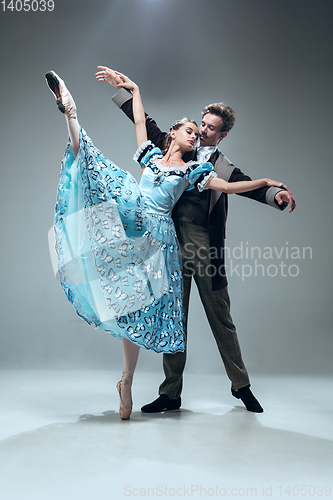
<point x="224" y="168"/>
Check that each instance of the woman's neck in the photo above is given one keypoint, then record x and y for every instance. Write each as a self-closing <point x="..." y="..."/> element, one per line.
<point x="173" y="156"/>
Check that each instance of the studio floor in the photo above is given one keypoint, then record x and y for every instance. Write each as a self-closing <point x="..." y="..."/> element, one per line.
<point x="61" y="438"/>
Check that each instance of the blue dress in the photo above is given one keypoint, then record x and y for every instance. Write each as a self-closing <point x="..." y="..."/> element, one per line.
<point x="117" y="253"/>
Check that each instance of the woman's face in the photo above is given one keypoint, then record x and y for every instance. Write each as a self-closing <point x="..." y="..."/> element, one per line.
<point x="186" y="136"/>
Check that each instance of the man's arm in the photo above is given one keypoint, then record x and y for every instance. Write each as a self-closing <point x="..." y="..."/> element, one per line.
<point x="275" y="197"/>
<point x="123" y="99"/>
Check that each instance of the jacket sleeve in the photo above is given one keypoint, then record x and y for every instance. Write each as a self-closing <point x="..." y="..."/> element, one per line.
<point x="123" y="99"/>
<point x="263" y="195"/>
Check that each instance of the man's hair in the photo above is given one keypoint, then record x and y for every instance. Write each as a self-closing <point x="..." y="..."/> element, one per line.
<point x="226" y="113"/>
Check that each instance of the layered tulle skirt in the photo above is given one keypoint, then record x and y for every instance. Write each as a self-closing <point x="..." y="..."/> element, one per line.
<point x="117" y="262"/>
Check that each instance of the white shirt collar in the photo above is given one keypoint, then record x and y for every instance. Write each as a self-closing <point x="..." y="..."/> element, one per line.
<point x="205" y="152"/>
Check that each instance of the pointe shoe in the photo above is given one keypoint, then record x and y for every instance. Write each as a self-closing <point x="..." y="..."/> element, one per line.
<point x="124" y="412"/>
<point x="65" y="101"/>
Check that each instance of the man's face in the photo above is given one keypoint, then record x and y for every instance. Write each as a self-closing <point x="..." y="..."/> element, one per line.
<point x="210" y="130"/>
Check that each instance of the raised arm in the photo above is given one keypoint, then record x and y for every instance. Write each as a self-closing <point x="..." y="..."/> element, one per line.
<point x="118" y="80"/>
<point x="123" y="99"/>
<point x="138" y="112"/>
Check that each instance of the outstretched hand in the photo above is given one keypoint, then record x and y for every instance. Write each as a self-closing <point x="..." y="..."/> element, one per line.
<point x="114" y="78"/>
<point x="287" y="197"/>
<point x="283" y="196"/>
<point x="271" y="182"/>
<point x="107" y="75"/>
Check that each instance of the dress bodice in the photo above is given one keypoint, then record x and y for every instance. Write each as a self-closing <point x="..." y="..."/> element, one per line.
<point x="161" y="186"/>
<point x="161" y="193"/>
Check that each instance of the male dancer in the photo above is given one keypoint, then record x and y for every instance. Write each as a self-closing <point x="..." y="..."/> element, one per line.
<point x="200" y="219"/>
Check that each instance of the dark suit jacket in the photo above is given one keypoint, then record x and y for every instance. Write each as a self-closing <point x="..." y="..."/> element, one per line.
<point x="190" y="206"/>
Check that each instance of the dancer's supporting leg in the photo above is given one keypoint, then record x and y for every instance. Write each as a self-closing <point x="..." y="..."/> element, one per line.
<point x="124" y="386"/>
<point x="66" y="105"/>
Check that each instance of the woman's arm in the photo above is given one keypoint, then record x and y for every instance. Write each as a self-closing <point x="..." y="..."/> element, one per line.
<point x="218" y="184"/>
<point x="118" y="80"/>
<point x="154" y="133"/>
<point x="138" y="112"/>
<point x="139" y="117"/>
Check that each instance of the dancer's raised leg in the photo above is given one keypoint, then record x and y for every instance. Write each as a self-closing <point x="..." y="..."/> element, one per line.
<point x="124" y="386"/>
<point x="74" y="133"/>
<point x="66" y="105"/>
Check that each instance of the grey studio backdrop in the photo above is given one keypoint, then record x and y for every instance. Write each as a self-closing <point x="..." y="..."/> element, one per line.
<point x="271" y="61"/>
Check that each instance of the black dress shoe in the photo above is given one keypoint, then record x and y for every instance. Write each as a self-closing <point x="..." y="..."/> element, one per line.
<point x="251" y="403"/>
<point x="162" y="403"/>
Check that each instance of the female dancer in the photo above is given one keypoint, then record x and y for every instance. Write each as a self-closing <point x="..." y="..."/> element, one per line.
<point x="117" y="250"/>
